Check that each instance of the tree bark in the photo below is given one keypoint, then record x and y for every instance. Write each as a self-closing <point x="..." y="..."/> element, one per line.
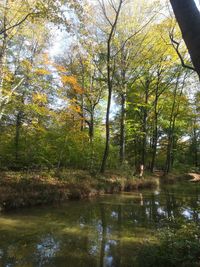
<point x="168" y="164"/>
<point x="188" y="18"/>
<point x="144" y="123"/>
<point x="110" y="87"/>
<point x="195" y="142"/>
<point x="155" y="136"/>
<point x="91" y="126"/>
<point x="3" y="58"/>
<point x="158" y="93"/>
<point x="17" y="134"/>
<point x="172" y="124"/>
<point x="106" y="151"/>
<point x="122" y="129"/>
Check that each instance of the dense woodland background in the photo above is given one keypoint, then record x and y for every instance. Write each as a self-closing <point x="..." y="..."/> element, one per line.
<point x="96" y="85"/>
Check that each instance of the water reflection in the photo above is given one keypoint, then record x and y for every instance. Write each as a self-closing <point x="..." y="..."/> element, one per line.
<point x="46" y="249"/>
<point x="107" y="232"/>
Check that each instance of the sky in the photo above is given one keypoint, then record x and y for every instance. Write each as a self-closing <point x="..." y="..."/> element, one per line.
<point x="198" y="3"/>
<point x="61" y="37"/>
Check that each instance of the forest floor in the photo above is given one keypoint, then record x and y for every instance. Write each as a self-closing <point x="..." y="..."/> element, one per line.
<point x="24" y="189"/>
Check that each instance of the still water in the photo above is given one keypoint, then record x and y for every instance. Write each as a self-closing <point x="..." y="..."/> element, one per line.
<point x="103" y="232"/>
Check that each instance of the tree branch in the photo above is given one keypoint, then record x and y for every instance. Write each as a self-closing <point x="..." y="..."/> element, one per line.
<point x="17" y="24"/>
<point x="134" y="34"/>
<point x="176" y="45"/>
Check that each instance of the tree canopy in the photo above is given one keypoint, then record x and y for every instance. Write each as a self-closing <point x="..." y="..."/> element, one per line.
<point x="115" y="95"/>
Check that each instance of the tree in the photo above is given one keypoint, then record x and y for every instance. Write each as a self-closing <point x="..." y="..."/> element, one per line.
<point x="176" y="99"/>
<point x="110" y="73"/>
<point x="188" y="17"/>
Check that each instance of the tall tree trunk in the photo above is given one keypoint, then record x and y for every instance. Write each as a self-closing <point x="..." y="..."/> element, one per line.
<point x="3" y="59"/>
<point x="17" y="134"/>
<point x="155" y="130"/>
<point x="91" y="138"/>
<point x="144" y="123"/>
<point x="196" y="162"/>
<point x="195" y="144"/>
<point x="172" y="122"/>
<point x="155" y="126"/>
<point x="154" y="140"/>
<point x="168" y="163"/>
<point x="144" y="138"/>
<point x="91" y="126"/>
<point x="82" y="97"/>
<point x="106" y="151"/>
<point x="4" y="38"/>
<point x="169" y="157"/>
<point x="18" y="125"/>
<point x="122" y="128"/>
<point x="122" y="95"/>
<point x="188" y="17"/>
<point x="110" y="87"/>
<point x="82" y="113"/>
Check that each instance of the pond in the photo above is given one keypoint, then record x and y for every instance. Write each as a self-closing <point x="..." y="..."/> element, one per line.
<point x="103" y="232"/>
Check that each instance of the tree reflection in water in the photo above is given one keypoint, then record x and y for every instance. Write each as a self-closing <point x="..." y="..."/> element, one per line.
<point x="106" y="232"/>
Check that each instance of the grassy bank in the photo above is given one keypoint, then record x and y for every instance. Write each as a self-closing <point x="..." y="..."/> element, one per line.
<point x="24" y="189"/>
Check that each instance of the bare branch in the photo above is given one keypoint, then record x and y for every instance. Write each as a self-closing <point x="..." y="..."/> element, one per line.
<point x="134" y="34"/>
<point x="115" y="22"/>
<point x="112" y="5"/>
<point x="102" y="5"/>
<point x="176" y="45"/>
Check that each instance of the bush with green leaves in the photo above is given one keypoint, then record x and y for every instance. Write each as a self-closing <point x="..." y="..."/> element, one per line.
<point x="176" y="247"/>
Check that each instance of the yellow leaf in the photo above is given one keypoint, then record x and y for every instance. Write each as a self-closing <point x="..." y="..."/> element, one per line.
<point x="26" y="64"/>
<point x="39" y="98"/>
<point x="60" y="68"/>
<point x="71" y="80"/>
<point x="78" y="89"/>
<point x="68" y="79"/>
<point x="8" y="77"/>
<point x="42" y="71"/>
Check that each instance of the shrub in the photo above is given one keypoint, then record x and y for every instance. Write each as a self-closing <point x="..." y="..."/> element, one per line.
<point x="176" y="247"/>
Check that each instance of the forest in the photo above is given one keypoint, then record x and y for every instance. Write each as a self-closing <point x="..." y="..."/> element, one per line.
<point x="100" y="97"/>
<point x="94" y="85"/>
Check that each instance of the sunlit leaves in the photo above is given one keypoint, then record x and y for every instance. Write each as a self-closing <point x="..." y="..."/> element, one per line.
<point x="41" y="71"/>
<point x="26" y="64"/>
<point x="39" y="98"/>
<point x="71" y="80"/>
